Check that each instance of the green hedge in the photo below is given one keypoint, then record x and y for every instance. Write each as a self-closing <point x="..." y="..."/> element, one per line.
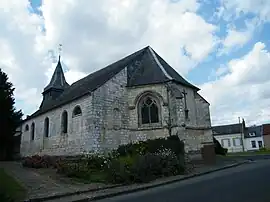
<point x="139" y="162"/>
<point x="144" y="168"/>
<point x="152" y="145"/>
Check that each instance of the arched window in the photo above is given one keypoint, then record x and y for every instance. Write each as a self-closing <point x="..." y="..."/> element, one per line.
<point x="33" y="131"/>
<point x="64" y="122"/>
<point x="149" y="110"/>
<point x="77" y="111"/>
<point x="46" y="127"/>
<point x="26" y="128"/>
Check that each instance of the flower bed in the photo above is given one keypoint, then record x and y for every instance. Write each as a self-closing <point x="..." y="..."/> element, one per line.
<point x="139" y="162"/>
<point x="37" y="161"/>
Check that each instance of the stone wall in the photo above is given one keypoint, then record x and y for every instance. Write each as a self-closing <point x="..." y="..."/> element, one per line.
<point x="202" y="111"/>
<point x="110" y="113"/>
<point x="110" y="118"/>
<point x="75" y="141"/>
<point x="196" y="130"/>
<point x="159" y="91"/>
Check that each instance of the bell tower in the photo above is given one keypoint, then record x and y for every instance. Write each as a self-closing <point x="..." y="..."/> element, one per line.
<point x="57" y="84"/>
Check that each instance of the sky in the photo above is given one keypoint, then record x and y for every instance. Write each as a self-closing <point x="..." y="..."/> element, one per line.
<point x="221" y="46"/>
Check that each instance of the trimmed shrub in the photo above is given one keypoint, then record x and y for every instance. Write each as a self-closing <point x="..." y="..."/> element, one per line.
<point x="119" y="170"/>
<point x="152" y="145"/>
<point x="144" y="168"/>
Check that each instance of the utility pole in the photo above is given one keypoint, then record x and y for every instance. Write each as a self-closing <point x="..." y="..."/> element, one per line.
<point x="242" y="132"/>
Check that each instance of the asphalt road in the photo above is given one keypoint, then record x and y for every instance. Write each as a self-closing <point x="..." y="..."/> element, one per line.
<point x="247" y="183"/>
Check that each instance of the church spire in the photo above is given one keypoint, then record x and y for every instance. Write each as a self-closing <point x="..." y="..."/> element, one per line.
<point x="58" y="80"/>
<point x="57" y="84"/>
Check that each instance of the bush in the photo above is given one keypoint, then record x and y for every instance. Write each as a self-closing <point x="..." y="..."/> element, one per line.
<point x="95" y="161"/>
<point x="119" y="170"/>
<point x="219" y="149"/>
<point x="263" y="149"/>
<point x="37" y="161"/>
<point x="89" y="167"/>
<point x="152" y="145"/>
<point x="144" y="168"/>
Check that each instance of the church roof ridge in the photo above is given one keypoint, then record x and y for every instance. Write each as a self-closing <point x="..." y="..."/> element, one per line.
<point x="144" y="67"/>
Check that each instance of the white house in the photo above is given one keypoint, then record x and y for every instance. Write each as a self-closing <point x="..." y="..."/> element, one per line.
<point x="253" y="138"/>
<point x="230" y="136"/>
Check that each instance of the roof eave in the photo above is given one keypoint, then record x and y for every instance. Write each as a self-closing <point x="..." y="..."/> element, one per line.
<point x="56" y="106"/>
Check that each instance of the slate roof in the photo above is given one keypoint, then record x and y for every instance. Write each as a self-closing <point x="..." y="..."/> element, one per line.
<point x="227" y="129"/>
<point x="143" y="67"/>
<point x="254" y="131"/>
<point x="58" y="80"/>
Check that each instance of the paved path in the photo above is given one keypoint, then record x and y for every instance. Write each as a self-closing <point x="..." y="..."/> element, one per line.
<point x="247" y="183"/>
<point x="41" y="185"/>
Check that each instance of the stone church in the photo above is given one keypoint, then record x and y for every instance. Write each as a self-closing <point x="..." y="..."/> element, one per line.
<point x="138" y="97"/>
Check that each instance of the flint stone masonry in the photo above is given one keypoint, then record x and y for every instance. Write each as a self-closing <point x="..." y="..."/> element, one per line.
<point x="111" y="117"/>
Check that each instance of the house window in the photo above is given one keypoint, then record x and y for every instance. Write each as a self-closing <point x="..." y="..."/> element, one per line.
<point x="46" y="127"/>
<point x="149" y="110"/>
<point x="33" y="131"/>
<point x="260" y="144"/>
<point x="77" y="111"/>
<point x="253" y="144"/>
<point x="26" y="128"/>
<point x="226" y="143"/>
<point x="237" y="142"/>
<point x="64" y="124"/>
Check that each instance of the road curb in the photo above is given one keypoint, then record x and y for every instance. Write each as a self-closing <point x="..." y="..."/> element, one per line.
<point x="57" y="196"/>
<point x="136" y="189"/>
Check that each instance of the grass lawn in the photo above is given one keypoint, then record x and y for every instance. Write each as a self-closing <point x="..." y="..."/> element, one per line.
<point x="10" y="187"/>
<point x="249" y="153"/>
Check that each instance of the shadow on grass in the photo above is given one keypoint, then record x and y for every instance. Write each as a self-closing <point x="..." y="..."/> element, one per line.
<point x="10" y="189"/>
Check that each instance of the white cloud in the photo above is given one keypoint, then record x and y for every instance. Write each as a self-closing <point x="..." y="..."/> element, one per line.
<point x="107" y="30"/>
<point x="19" y="59"/>
<point x="94" y="34"/>
<point x="231" y="9"/>
<point x="244" y="90"/>
<point x="235" y="38"/>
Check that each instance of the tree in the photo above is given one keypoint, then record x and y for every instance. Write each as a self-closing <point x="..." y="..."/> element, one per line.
<point x="9" y="117"/>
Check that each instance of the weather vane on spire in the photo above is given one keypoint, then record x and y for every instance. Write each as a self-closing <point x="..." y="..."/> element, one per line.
<point x="60" y="50"/>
